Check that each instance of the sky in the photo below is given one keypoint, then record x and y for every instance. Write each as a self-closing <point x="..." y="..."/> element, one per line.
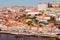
<point x="4" y="3"/>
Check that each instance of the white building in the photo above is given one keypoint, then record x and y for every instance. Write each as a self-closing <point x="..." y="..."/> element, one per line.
<point x="43" y="18"/>
<point x="32" y="11"/>
<point x="3" y="27"/>
<point x="54" y="12"/>
<point x="42" y="6"/>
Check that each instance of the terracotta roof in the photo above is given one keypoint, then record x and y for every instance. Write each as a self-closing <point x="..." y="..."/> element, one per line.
<point x="34" y="9"/>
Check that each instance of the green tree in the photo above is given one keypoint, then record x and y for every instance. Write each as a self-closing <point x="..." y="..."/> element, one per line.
<point x="29" y="22"/>
<point x="0" y="29"/>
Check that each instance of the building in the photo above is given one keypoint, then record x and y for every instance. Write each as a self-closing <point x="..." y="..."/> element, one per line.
<point x="32" y="11"/>
<point x="42" y="6"/>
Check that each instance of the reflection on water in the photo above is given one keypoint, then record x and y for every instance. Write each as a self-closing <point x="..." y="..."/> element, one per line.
<point x="12" y="37"/>
<point x="7" y="37"/>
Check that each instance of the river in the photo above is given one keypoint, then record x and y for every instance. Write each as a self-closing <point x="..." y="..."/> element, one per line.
<point x="13" y="37"/>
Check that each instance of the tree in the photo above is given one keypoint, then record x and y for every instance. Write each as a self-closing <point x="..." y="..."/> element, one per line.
<point x="0" y="29"/>
<point x="29" y="22"/>
<point x="49" y="5"/>
<point x="52" y="19"/>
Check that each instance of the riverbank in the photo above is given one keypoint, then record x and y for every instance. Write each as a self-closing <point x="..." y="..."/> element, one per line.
<point x="35" y="35"/>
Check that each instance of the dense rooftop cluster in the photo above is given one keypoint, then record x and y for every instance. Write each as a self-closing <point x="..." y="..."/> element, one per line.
<point x="35" y="17"/>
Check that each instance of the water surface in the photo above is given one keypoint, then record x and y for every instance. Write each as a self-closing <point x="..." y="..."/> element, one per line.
<point x="13" y="37"/>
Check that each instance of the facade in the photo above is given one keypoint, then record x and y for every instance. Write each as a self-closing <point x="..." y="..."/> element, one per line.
<point x="32" y="11"/>
<point x="42" y="6"/>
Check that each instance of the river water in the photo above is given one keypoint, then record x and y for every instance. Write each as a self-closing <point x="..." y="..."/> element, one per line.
<point x="13" y="37"/>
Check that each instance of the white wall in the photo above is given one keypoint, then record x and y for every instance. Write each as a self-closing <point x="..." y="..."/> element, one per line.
<point x="33" y="13"/>
<point x="42" y="6"/>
